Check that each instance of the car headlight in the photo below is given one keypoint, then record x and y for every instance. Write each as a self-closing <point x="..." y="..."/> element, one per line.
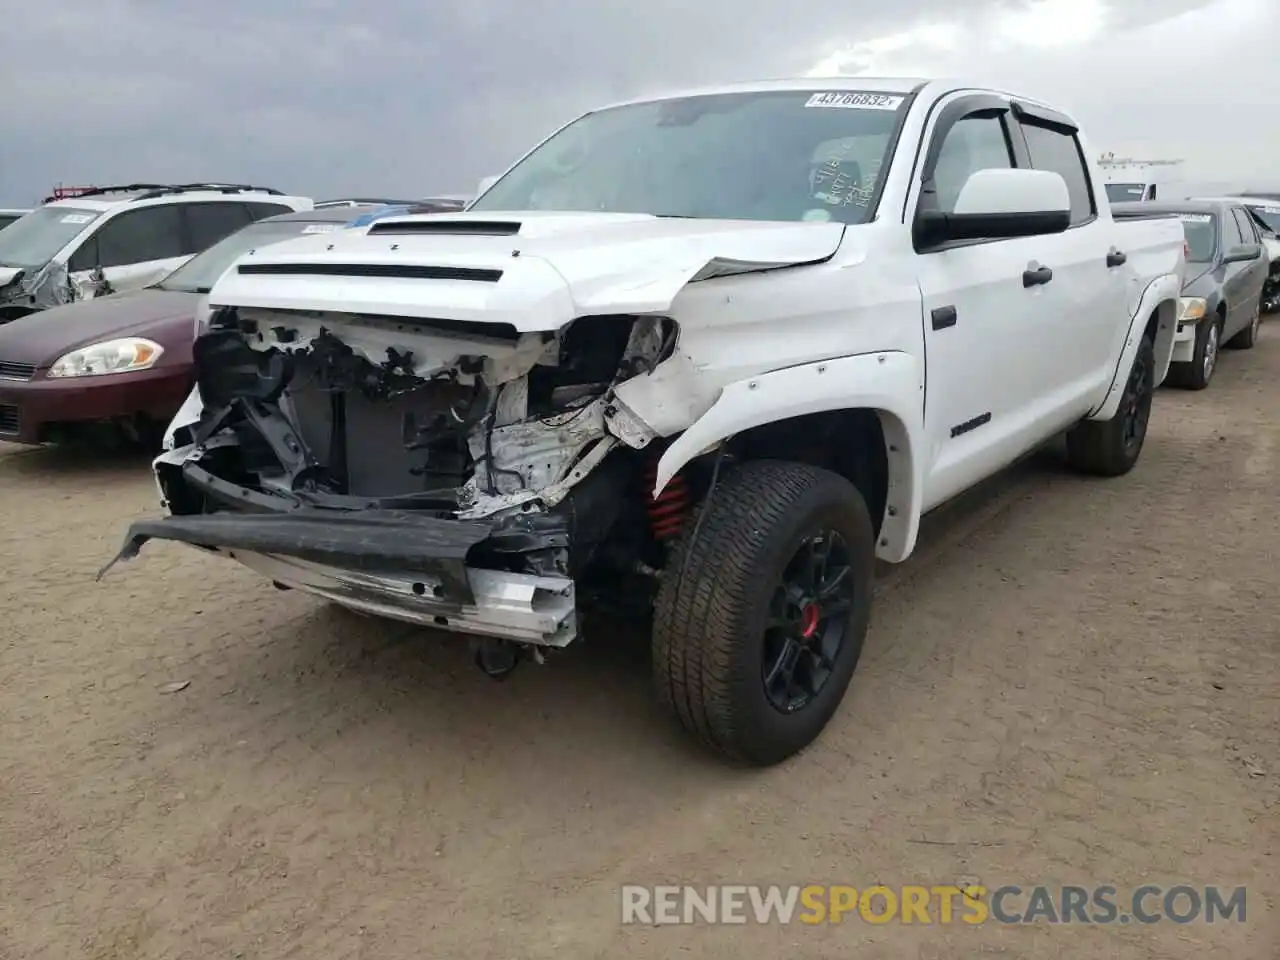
<point x="1191" y="309"/>
<point x="111" y="356"/>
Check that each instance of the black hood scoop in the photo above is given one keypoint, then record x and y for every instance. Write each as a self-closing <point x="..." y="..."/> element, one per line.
<point x="445" y="228"/>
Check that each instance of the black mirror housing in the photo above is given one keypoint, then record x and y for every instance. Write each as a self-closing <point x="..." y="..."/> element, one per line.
<point x="934" y="228"/>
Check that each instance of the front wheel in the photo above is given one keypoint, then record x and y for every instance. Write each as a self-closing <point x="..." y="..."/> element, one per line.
<point x="763" y="609"/>
<point x="1196" y="374"/>
<point x="1110" y="448"/>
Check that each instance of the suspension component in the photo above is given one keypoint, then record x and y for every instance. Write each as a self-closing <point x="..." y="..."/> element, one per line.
<point x="667" y="511"/>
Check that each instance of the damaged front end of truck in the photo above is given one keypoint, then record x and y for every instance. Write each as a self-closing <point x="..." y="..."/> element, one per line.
<point x="470" y="486"/>
<point x="441" y="436"/>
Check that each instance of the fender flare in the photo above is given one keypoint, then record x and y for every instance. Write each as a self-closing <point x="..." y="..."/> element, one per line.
<point x="1161" y="298"/>
<point x="889" y="382"/>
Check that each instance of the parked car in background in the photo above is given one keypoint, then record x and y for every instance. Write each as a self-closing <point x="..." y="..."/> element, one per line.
<point x="113" y="239"/>
<point x="1265" y="210"/>
<point x="1221" y="300"/>
<point x="434" y="205"/>
<point x="9" y="216"/>
<point x="119" y="366"/>
<point x="694" y="387"/>
<point x="368" y="202"/>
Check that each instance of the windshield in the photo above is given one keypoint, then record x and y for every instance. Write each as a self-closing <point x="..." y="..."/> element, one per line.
<point x="201" y="272"/>
<point x="1125" y="192"/>
<point x="34" y="239"/>
<point x="1202" y="236"/>
<point x="789" y="155"/>
<point x="1268" y="214"/>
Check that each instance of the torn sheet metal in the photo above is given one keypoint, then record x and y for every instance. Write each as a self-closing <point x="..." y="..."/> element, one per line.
<point x="50" y="286"/>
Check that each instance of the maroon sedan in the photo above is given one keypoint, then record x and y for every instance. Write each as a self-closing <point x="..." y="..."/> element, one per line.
<point x="120" y="365"/>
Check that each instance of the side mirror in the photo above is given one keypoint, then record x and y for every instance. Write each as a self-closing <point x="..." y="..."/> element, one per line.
<point x="1243" y="252"/>
<point x="1001" y="204"/>
<point x="486" y="183"/>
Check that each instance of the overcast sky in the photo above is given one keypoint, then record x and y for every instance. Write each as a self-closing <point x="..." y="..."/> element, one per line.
<point x="410" y="98"/>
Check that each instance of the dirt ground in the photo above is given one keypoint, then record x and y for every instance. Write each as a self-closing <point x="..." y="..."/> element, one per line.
<point x="1074" y="681"/>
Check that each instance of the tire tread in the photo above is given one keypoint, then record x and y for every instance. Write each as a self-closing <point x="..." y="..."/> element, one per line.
<point x="702" y="608"/>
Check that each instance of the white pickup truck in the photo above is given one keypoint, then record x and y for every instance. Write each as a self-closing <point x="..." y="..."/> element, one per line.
<point x="708" y="354"/>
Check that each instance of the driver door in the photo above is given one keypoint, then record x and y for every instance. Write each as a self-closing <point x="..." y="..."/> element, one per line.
<point x="1254" y="273"/>
<point x="1242" y="283"/>
<point x="131" y="250"/>
<point x="977" y="312"/>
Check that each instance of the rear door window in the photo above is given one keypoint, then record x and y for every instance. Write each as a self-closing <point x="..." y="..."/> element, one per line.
<point x="1060" y="152"/>
<point x="259" y="209"/>
<point x="207" y="223"/>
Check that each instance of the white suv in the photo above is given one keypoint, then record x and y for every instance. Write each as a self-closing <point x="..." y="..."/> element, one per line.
<point x="111" y="239"/>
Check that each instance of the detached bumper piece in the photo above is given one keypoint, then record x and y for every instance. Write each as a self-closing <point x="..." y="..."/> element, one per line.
<point x="396" y="564"/>
<point x="519" y="607"/>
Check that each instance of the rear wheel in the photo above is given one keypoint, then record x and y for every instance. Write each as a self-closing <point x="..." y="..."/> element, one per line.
<point x="763" y="608"/>
<point x="1110" y="448"/>
<point x="1246" y="338"/>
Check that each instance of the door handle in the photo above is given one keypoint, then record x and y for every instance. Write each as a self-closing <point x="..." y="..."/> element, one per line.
<point x="943" y="317"/>
<point x="1117" y="258"/>
<point x="1035" y="277"/>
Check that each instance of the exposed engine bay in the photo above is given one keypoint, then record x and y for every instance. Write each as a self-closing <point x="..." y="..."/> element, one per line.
<point x="29" y="291"/>
<point x="426" y="422"/>
<point x="383" y="445"/>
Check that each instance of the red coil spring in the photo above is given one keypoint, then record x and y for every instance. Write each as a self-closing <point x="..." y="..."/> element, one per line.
<point x="668" y="510"/>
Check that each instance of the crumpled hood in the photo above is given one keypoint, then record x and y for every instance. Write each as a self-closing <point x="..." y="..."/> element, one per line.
<point x="7" y="274"/>
<point x="533" y="271"/>
<point x="40" y="338"/>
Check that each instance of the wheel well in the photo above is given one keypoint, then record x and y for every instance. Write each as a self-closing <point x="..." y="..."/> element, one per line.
<point x="848" y="442"/>
<point x="1153" y="323"/>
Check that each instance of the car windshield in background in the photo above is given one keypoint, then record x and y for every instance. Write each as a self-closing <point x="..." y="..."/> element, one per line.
<point x="1125" y="192"/>
<point x="781" y="156"/>
<point x="34" y="239"/>
<point x="1202" y="236"/>
<point x="1269" y="214"/>
<point x="201" y="272"/>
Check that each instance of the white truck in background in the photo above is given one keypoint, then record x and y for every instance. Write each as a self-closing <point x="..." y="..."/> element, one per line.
<point x="1128" y="180"/>
<point x="703" y="354"/>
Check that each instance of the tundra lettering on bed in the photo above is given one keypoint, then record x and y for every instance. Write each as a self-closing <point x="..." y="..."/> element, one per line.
<point x="694" y="361"/>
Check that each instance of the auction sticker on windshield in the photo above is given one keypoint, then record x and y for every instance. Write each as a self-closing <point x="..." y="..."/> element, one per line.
<point x="321" y="228"/>
<point x="856" y="101"/>
<point x="77" y="218"/>
<point x="1196" y="217"/>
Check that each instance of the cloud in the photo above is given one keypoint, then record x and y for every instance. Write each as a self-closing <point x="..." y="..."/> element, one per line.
<point x="403" y="98"/>
<point x="1161" y="79"/>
